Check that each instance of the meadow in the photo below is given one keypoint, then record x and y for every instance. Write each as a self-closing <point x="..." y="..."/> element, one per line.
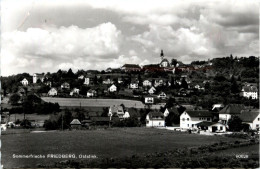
<point x="103" y="143"/>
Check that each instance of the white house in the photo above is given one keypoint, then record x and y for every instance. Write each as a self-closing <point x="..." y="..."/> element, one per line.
<point x="147" y="83"/>
<point x="133" y="85"/>
<point x="65" y="85"/>
<point x="87" y="81"/>
<point x="166" y="112"/>
<point x="211" y="126"/>
<point x="74" y="91"/>
<point x="108" y="81"/>
<point x="112" y="88"/>
<point x="91" y="93"/>
<point x="249" y="92"/>
<point x="155" y="119"/>
<point x="53" y="92"/>
<point x="189" y="118"/>
<point x="148" y="100"/>
<point x="229" y="110"/>
<point x="152" y="90"/>
<point x="25" y="82"/>
<point x="116" y="110"/>
<point x="251" y="117"/>
<point x="81" y="77"/>
<point x="37" y="76"/>
<point x="162" y="95"/>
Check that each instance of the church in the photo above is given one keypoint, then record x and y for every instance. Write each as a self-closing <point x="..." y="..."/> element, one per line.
<point x="164" y="62"/>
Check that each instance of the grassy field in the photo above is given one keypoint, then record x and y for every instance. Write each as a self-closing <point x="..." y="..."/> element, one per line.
<point x="114" y="142"/>
<point x="77" y="102"/>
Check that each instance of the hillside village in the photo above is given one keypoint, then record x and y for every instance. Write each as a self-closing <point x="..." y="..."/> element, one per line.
<point x="216" y="96"/>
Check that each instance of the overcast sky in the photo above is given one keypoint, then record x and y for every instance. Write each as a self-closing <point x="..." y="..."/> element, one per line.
<point x="47" y="35"/>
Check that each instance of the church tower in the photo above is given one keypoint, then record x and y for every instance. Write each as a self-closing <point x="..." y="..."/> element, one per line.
<point x="162" y="55"/>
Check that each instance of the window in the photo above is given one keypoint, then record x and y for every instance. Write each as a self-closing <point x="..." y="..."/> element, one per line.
<point x="192" y="125"/>
<point x="183" y="119"/>
<point x="257" y="125"/>
<point x="188" y="119"/>
<point x="258" y="119"/>
<point x="208" y="119"/>
<point x="188" y="125"/>
<point x="221" y="128"/>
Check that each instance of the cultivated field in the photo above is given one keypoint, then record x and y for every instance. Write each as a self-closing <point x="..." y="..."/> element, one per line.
<point x="114" y="142"/>
<point x="35" y="117"/>
<point x="73" y="102"/>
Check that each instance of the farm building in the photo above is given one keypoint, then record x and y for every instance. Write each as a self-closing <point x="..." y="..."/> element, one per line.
<point x="229" y="110"/>
<point x="75" y="124"/>
<point x="251" y="117"/>
<point x="116" y="110"/>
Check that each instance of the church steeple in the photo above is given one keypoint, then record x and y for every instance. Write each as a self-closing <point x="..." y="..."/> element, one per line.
<point x="162" y="55"/>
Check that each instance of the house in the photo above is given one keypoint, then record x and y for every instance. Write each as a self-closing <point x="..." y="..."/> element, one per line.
<point x="21" y="91"/>
<point x="155" y="119"/>
<point x="133" y="85"/>
<point x="37" y="76"/>
<point x="148" y="100"/>
<point x="229" y="110"/>
<point x="130" y="68"/>
<point x="147" y="83"/>
<point x="120" y="80"/>
<point x="152" y="90"/>
<point x="25" y="82"/>
<point x="116" y="110"/>
<point x="108" y="81"/>
<point x="158" y="82"/>
<point x="164" y="61"/>
<point x="189" y="118"/>
<point x="75" y="124"/>
<point x="251" y="117"/>
<point x="166" y="112"/>
<point x="65" y="85"/>
<point x="132" y="112"/>
<point x="74" y="91"/>
<point x="87" y="81"/>
<point x="112" y="88"/>
<point x="162" y="95"/>
<point x="53" y="92"/>
<point x="81" y="77"/>
<point x="249" y="92"/>
<point x="211" y="126"/>
<point x="91" y="93"/>
<point x="217" y="107"/>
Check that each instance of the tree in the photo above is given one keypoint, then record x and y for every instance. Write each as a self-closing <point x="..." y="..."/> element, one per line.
<point x="235" y="123"/>
<point x="184" y="84"/>
<point x="14" y="99"/>
<point x="174" y="62"/>
<point x="234" y="87"/>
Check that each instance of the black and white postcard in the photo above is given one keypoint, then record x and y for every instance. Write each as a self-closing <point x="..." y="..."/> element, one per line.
<point x="129" y="84"/>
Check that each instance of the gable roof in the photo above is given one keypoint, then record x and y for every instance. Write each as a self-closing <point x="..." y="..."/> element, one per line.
<point x="75" y="122"/>
<point x="116" y="109"/>
<point x="232" y="109"/>
<point x="249" y="89"/>
<point x="131" y="66"/>
<point x="199" y="113"/>
<point x="155" y="114"/>
<point x="249" y="115"/>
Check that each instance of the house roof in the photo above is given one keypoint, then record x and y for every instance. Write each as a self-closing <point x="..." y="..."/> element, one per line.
<point x="155" y="114"/>
<point x="116" y="109"/>
<point x="249" y="115"/>
<point x="75" y="122"/>
<point x="199" y="113"/>
<point x="232" y="109"/>
<point x="131" y="66"/>
<point x="249" y="89"/>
